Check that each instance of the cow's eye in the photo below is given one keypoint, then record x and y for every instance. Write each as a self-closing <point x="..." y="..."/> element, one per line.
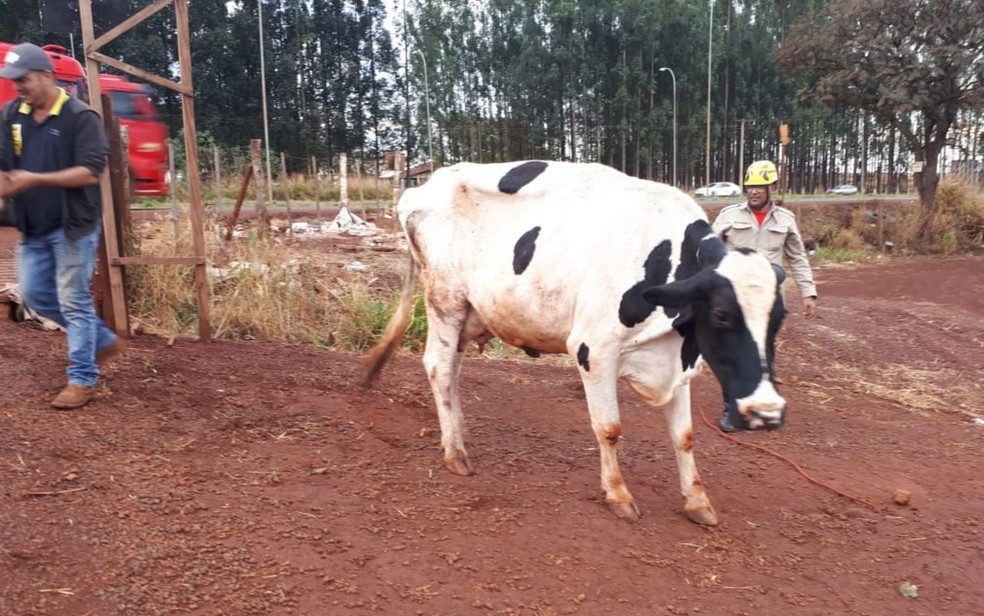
<point x="720" y="318"/>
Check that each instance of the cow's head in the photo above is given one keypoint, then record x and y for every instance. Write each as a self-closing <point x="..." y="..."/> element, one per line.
<point x="734" y="312"/>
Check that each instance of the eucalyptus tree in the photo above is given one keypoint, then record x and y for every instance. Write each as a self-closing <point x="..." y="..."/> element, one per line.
<point x="913" y="64"/>
<point x="22" y="23"/>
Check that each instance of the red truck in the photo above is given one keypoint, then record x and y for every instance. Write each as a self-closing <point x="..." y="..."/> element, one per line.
<point x="133" y="108"/>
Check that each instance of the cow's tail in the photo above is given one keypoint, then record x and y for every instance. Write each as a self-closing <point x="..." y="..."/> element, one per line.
<point x="373" y="364"/>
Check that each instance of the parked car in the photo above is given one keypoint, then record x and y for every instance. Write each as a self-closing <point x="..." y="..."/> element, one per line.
<point x="843" y="189"/>
<point x="719" y="189"/>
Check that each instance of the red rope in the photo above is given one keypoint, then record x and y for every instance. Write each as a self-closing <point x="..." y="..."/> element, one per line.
<point x="799" y="469"/>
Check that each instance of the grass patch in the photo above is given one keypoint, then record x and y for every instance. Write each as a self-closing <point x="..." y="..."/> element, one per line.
<point x="958" y="217"/>
<point x="918" y="389"/>
<point x="274" y="289"/>
<point x="829" y="254"/>
<point x="362" y="189"/>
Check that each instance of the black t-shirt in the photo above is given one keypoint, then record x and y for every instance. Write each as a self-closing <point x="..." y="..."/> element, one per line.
<point x="43" y="211"/>
<point x="60" y="141"/>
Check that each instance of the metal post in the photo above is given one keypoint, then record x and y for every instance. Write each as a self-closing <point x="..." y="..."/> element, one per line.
<point x="266" y="126"/>
<point x="741" y="155"/>
<point x="673" y="77"/>
<point x="430" y="144"/>
<point x="710" y="30"/>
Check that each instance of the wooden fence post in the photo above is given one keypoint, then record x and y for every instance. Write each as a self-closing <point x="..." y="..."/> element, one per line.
<point x="285" y="179"/>
<point x="243" y="187"/>
<point x="218" y="177"/>
<point x="343" y="179"/>
<point x="174" y="190"/>
<point x="262" y="218"/>
<point x="317" y="188"/>
<point x="362" y="195"/>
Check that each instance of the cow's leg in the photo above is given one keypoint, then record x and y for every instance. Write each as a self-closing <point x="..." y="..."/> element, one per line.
<point x="679" y="421"/>
<point x="601" y="394"/>
<point x="442" y="361"/>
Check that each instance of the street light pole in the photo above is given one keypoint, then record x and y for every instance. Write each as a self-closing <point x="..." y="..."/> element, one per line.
<point x="741" y="154"/>
<point x="266" y="124"/>
<point x="430" y="144"/>
<point x="673" y="77"/>
<point x="710" y="30"/>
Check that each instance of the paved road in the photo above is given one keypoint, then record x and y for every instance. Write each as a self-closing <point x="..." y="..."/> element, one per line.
<point x="811" y="199"/>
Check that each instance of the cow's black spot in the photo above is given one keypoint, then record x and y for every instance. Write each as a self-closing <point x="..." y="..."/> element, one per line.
<point x="684" y="324"/>
<point x="530" y="351"/>
<point x="524" y="249"/>
<point x="520" y="176"/>
<point x="656" y="270"/>
<point x="700" y="249"/>
<point x="582" y="357"/>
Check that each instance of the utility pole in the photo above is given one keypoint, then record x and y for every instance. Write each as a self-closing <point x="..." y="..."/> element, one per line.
<point x="430" y="144"/>
<point x="710" y="39"/>
<point x="673" y="77"/>
<point x="266" y="123"/>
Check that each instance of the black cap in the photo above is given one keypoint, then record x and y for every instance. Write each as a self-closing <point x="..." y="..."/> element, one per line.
<point x="24" y="58"/>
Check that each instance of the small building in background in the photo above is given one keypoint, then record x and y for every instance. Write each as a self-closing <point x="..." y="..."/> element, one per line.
<point x="416" y="175"/>
<point x="395" y="169"/>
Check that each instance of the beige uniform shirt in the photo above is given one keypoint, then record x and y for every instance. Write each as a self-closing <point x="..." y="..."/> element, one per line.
<point x="777" y="237"/>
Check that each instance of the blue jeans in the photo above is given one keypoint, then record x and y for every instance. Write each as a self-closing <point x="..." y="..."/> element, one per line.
<point x="55" y="281"/>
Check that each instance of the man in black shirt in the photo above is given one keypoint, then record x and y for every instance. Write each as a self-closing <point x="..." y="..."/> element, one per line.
<point x="52" y="152"/>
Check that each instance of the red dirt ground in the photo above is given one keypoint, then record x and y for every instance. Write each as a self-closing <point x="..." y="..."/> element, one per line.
<point x="247" y="478"/>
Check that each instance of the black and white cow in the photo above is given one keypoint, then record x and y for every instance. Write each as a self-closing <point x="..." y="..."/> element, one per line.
<point x="624" y="275"/>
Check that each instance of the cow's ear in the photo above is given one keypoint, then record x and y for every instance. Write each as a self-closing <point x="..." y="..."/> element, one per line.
<point x="780" y="273"/>
<point x="676" y="294"/>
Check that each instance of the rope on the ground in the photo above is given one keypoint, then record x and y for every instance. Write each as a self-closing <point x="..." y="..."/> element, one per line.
<point x="798" y="468"/>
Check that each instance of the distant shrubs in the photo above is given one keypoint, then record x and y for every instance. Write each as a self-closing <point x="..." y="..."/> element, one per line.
<point x="957" y="225"/>
<point x="294" y="189"/>
<point x="958" y="221"/>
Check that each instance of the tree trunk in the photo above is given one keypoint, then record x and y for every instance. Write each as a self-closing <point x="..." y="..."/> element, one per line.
<point x="926" y="183"/>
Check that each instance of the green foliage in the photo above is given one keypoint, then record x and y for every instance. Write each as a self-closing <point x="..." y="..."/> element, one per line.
<point x="958" y="216"/>
<point x="829" y="254"/>
<point x="417" y="330"/>
<point x="897" y="60"/>
<point x="571" y="79"/>
<point x="364" y="322"/>
<point x="365" y="319"/>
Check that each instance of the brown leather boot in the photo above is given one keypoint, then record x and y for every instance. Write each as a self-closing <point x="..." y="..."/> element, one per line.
<point x="108" y="352"/>
<point x="73" y="396"/>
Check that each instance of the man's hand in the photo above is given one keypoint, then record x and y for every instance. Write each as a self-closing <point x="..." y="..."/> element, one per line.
<point x="16" y="181"/>
<point x="809" y="306"/>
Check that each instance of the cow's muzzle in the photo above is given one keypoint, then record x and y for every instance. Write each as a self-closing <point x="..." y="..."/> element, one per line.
<point x="765" y="415"/>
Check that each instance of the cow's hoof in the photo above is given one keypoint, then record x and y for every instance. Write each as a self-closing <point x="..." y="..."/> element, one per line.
<point x="459" y="466"/>
<point x="705" y="516"/>
<point x="625" y="511"/>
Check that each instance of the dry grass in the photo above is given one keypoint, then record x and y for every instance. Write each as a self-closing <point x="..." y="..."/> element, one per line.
<point x="958" y="221"/>
<point x="274" y="289"/>
<point x="919" y="389"/>
<point x="299" y="189"/>
<point x="957" y="224"/>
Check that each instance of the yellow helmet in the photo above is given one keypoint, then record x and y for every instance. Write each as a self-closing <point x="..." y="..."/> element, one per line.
<point x="761" y="173"/>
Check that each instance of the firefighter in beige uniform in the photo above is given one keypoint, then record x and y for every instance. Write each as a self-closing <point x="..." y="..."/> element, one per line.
<point x="769" y="229"/>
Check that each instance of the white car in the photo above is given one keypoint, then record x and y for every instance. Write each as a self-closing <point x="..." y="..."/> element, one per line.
<point x="719" y="189"/>
<point x="842" y="189"/>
